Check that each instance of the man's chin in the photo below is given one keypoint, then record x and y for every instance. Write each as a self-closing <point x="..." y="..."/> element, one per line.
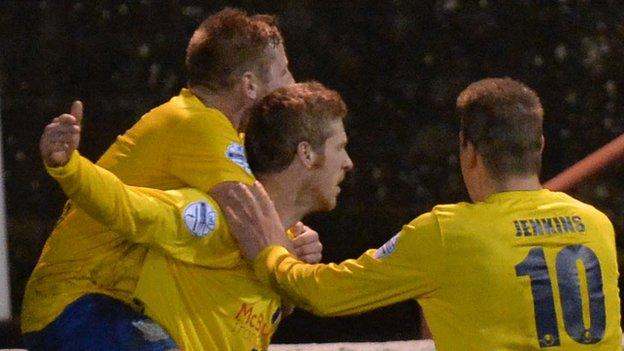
<point x="330" y="205"/>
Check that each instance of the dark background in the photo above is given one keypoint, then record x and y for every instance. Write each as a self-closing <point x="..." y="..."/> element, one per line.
<point x="399" y="65"/>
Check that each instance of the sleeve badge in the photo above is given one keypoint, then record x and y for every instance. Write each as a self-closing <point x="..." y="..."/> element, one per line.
<point x="200" y="218"/>
<point x="387" y="248"/>
<point x="236" y="153"/>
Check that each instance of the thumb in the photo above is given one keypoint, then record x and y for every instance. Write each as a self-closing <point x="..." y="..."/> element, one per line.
<point x="77" y="111"/>
<point x="297" y="229"/>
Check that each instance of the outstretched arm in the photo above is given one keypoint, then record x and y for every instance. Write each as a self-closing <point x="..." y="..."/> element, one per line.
<point x="96" y="191"/>
<point x="408" y="266"/>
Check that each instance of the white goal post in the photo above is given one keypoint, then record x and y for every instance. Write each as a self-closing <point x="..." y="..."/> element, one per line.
<point x="5" y="288"/>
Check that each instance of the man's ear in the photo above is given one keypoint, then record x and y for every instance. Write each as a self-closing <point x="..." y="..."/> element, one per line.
<point x="470" y="152"/>
<point x="306" y="154"/>
<point x="543" y="141"/>
<point x="249" y="85"/>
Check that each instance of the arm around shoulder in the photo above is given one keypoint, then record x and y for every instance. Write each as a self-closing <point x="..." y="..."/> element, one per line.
<point x="407" y="266"/>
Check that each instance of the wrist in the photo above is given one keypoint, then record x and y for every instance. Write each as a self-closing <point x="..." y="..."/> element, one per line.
<point x="60" y="170"/>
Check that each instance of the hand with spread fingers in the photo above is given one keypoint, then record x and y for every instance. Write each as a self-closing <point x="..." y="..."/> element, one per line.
<point x="308" y="247"/>
<point x="61" y="137"/>
<point x="253" y="220"/>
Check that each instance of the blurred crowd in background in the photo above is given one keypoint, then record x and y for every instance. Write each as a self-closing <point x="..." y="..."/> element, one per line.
<point x="398" y="64"/>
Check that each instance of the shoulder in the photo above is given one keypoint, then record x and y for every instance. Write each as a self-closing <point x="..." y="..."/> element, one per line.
<point x="185" y="111"/>
<point x="181" y="198"/>
<point x="569" y="201"/>
<point x="427" y="219"/>
<point x="446" y="211"/>
<point x="418" y="242"/>
<point x="168" y="114"/>
<point x="424" y="227"/>
<point x="194" y="117"/>
<point x="207" y="129"/>
<point x="583" y="207"/>
<point x="155" y="126"/>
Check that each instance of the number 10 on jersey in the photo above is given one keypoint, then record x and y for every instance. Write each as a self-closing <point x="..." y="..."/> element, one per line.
<point x="570" y="293"/>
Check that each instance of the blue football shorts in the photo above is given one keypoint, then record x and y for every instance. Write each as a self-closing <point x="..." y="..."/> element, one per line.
<point x="96" y="322"/>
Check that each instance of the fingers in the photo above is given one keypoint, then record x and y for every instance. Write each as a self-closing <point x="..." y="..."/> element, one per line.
<point x="64" y="124"/>
<point x="265" y="202"/>
<point x="258" y="217"/>
<point x="246" y="241"/>
<point x="254" y="198"/>
<point x="307" y="237"/>
<point x="230" y="214"/>
<point x="298" y="229"/>
<point x="77" y="111"/>
<point x="243" y="202"/>
<point x="67" y="119"/>
<point x="61" y="131"/>
<point x="234" y="221"/>
<point x="59" y="139"/>
<point x="308" y="247"/>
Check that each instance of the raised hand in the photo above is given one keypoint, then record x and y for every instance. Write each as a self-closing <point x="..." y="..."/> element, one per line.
<point x="253" y="220"/>
<point x="61" y="137"/>
<point x="307" y="244"/>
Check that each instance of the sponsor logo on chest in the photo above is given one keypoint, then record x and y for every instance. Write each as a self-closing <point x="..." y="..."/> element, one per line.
<point x="253" y="323"/>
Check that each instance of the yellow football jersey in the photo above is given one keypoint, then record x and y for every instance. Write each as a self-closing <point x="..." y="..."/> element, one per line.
<point x="179" y="143"/>
<point x="206" y="308"/>
<point x="194" y="282"/>
<point x="525" y="270"/>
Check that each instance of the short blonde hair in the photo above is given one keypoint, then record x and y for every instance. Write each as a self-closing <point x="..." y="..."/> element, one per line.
<point x="286" y="117"/>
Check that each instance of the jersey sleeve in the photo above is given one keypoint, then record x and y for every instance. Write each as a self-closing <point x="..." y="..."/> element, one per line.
<point x="139" y="214"/>
<point x="202" y="237"/>
<point x="184" y="224"/>
<point x="408" y="266"/>
<point x="206" y="152"/>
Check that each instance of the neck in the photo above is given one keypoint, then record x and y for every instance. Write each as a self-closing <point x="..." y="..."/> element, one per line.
<point x="514" y="183"/>
<point x="285" y="196"/>
<point x="222" y="102"/>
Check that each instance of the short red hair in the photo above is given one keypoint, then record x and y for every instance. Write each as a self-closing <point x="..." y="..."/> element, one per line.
<point x="229" y="43"/>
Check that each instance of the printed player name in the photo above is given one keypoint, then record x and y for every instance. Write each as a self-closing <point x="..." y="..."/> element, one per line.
<point x="549" y="226"/>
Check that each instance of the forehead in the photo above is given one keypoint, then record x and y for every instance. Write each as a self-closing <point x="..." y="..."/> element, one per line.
<point x="336" y="130"/>
<point x="277" y="54"/>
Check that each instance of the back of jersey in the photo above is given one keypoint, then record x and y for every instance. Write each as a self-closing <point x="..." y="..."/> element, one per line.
<point x="526" y="270"/>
